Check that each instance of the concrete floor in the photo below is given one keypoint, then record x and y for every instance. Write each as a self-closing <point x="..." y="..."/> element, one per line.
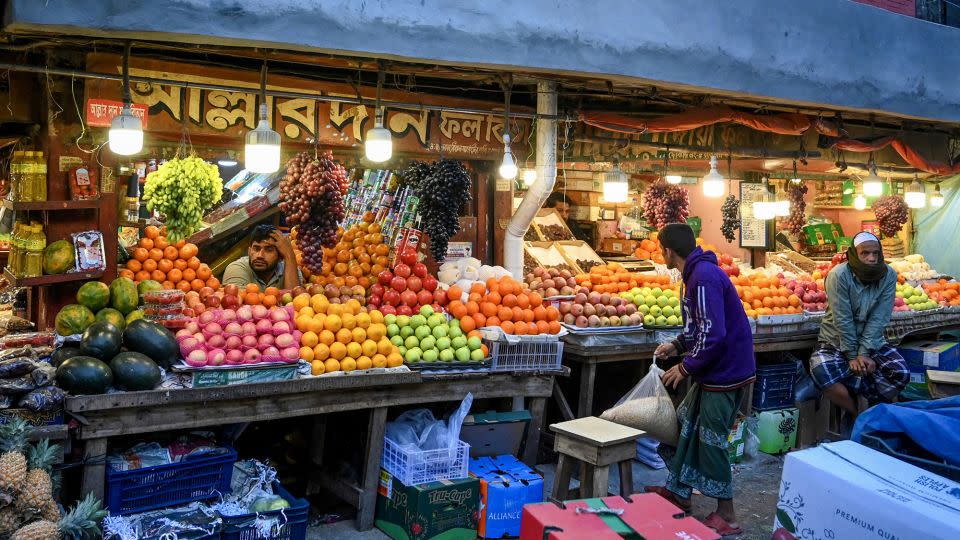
<point x="757" y="484"/>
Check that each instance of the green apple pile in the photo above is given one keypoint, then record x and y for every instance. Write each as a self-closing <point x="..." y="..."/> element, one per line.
<point x="428" y="337"/>
<point x="659" y="307"/>
<point x="909" y="298"/>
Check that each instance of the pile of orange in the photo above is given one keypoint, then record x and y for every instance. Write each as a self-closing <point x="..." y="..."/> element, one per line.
<point x="252" y="296"/>
<point x="765" y="295"/>
<point x="649" y="249"/>
<point x="506" y="303"/>
<point x="945" y="293"/>
<point x="357" y="258"/>
<point x="175" y="266"/>
<point x="614" y="278"/>
<point x="342" y="337"/>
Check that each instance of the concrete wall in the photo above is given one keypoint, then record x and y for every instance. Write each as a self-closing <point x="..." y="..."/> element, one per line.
<point x="823" y="52"/>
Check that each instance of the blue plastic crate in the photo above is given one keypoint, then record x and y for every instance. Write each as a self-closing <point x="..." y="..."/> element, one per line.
<point x="196" y="478"/>
<point x="287" y="524"/>
<point x="773" y="388"/>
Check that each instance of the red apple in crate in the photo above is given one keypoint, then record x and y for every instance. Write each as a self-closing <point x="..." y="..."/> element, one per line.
<point x="231" y="290"/>
<point x="388" y="310"/>
<point x="376" y="289"/>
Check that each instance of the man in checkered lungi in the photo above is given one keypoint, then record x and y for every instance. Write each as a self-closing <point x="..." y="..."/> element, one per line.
<point x="853" y="357"/>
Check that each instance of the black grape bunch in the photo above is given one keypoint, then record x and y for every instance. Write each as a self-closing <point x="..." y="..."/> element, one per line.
<point x="442" y="192"/>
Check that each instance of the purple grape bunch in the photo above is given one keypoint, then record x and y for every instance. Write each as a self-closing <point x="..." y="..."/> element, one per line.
<point x="798" y="207"/>
<point x="892" y="212"/>
<point x="443" y="188"/>
<point x="731" y="217"/>
<point x="664" y="204"/>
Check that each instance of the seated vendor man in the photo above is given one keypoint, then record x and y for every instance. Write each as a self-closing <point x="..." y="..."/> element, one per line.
<point x="270" y="262"/>
<point x="853" y="357"/>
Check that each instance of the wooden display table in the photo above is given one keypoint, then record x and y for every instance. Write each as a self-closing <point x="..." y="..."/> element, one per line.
<point x="110" y="415"/>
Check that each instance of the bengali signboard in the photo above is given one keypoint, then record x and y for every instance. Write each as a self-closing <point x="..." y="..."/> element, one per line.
<point x="100" y="112"/>
<point x="233" y="113"/>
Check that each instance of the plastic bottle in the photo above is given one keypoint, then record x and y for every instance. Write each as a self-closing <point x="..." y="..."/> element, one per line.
<point x="39" y="177"/>
<point x="16" y="175"/>
<point x="26" y="178"/>
<point x="132" y="200"/>
<point x="37" y="241"/>
<point x="13" y="259"/>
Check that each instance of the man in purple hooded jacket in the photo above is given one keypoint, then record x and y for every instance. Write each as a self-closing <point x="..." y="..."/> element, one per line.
<point x="717" y="349"/>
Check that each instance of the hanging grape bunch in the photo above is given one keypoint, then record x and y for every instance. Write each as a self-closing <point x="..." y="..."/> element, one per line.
<point x="442" y="193"/>
<point x="731" y="217"/>
<point x="891" y="214"/>
<point x="664" y="204"/>
<point x="411" y="177"/>
<point x="798" y="207"/>
<point x="311" y="196"/>
<point x="182" y="189"/>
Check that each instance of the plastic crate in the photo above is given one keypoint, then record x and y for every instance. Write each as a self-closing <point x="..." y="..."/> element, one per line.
<point x="526" y="356"/>
<point x="195" y="478"/>
<point x="286" y="524"/>
<point x="413" y="467"/>
<point x="773" y="388"/>
<point x="900" y="446"/>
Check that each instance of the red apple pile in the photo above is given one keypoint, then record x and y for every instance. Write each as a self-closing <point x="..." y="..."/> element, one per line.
<point x="551" y="282"/>
<point x="728" y="266"/>
<point x="406" y="288"/>
<point x="596" y="310"/>
<point x="812" y="296"/>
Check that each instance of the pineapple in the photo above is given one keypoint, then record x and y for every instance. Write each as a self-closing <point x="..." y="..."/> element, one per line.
<point x="38" y="488"/>
<point x="13" y="463"/>
<point x="10" y="519"/>
<point x="83" y="521"/>
<point x="50" y="511"/>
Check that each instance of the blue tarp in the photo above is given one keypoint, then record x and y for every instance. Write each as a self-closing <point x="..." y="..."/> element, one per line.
<point x="934" y="424"/>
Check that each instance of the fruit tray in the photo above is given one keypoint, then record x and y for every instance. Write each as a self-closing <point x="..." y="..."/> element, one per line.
<point x="662" y="327"/>
<point x="202" y="377"/>
<point x="449" y="366"/>
<point x="770" y="320"/>
<point x="496" y="334"/>
<point x="576" y="330"/>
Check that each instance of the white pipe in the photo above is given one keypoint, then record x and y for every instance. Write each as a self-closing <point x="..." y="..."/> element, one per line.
<point x="542" y="187"/>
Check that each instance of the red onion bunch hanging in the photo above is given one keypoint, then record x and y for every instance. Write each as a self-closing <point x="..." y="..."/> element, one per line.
<point x="798" y="207"/>
<point x="664" y="204"/>
<point x="311" y="197"/>
<point x="892" y="212"/>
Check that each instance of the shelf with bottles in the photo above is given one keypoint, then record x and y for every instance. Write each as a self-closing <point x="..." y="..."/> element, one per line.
<point x="37" y="281"/>
<point x="28" y="177"/>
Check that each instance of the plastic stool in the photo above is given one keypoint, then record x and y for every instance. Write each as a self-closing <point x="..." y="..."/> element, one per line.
<point x="594" y="444"/>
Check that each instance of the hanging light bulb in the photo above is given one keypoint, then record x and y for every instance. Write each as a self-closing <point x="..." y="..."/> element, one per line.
<point x="859" y="202"/>
<point x="796" y="177"/>
<point x="764" y="210"/>
<point x="529" y="177"/>
<point x="261" y="154"/>
<point x="713" y="185"/>
<point x="508" y="166"/>
<point x="936" y="199"/>
<point x="782" y="208"/>
<point x="378" y="145"/>
<point x="873" y="184"/>
<point x="126" y="130"/>
<point x="915" y="196"/>
<point x="615" y="185"/>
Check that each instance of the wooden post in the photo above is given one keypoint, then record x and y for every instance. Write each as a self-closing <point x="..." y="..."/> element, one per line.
<point x="588" y="377"/>
<point x="371" y="468"/>
<point x="94" y="467"/>
<point x="532" y="444"/>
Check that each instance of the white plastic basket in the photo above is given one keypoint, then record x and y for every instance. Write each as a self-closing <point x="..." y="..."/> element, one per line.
<point x="413" y="467"/>
<point x="528" y="355"/>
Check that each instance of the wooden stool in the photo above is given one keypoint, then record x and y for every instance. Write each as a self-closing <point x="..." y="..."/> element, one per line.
<point x="594" y="444"/>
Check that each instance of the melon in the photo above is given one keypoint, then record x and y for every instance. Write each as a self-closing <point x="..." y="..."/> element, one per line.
<point x="112" y="316"/>
<point x="123" y="295"/>
<point x="84" y="375"/>
<point x="148" y="285"/>
<point x="94" y="295"/>
<point x="73" y="319"/>
<point x="134" y="371"/>
<point x="58" y="257"/>
<point x="134" y="315"/>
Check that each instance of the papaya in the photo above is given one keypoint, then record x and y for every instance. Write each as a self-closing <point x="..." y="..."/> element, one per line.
<point x="148" y="285"/>
<point x="58" y="257"/>
<point x="123" y="295"/>
<point x="73" y="319"/>
<point x="94" y="295"/>
<point x="112" y="316"/>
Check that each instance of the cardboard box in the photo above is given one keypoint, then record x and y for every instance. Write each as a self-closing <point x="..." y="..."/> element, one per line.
<point x="495" y="433"/>
<point x="647" y="515"/>
<point x="922" y="355"/>
<point x="824" y="233"/>
<point x="847" y="491"/>
<point x="448" y="508"/>
<point x="506" y="485"/>
<point x="618" y="245"/>
<point x="736" y="441"/>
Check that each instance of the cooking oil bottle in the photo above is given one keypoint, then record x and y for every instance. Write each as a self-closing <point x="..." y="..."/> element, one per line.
<point x="16" y="175"/>
<point x="13" y="259"/>
<point x="39" y="177"/>
<point x="33" y="260"/>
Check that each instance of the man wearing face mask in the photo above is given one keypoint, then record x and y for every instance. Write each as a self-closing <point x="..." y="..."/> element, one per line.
<point x="853" y="357"/>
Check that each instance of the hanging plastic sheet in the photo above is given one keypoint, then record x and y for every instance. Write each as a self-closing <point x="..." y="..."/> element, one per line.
<point x="939" y="227"/>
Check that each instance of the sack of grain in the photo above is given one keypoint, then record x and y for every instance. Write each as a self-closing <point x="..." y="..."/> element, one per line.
<point x="648" y="407"/>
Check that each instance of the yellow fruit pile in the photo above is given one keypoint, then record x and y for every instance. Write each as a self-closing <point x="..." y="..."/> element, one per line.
<point x="342" y="337"/>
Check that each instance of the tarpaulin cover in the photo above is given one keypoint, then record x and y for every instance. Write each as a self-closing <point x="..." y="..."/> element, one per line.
<point x="935" y="228"/>
<point x="934" y="425"/>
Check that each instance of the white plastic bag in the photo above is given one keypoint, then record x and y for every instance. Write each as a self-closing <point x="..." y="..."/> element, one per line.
<point x="648" y="407"/>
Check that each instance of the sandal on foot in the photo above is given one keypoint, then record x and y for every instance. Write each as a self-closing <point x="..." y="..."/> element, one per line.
<point x="686" y="506"/>
<point x="724" y="528"/>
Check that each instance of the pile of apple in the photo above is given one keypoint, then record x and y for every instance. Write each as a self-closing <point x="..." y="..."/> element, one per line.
<point x="245" y="335"/>
<point x="910" y="298"/>
<point x="551" y="282"/>
<point x="658" y="307"/>
<point x="813" y="297"/>
<point x="596" y="310"/>
<point x="727" y="265"/>
<point x="406" y="288"/>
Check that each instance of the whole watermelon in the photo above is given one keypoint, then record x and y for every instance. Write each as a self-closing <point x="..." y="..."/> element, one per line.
<point x="84" y="375"/>
<point x="73" y="319"/>
<point x="95" y="295"/>
<point x="134" y="371"/>
<point x="101" y="340"/>
<point x="112" y="316"/>
<point x="58" y="257"/>
<point x="123" y="295"/>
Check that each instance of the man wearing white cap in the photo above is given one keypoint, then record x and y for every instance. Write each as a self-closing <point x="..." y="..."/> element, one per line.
<point x="853" y="357"/>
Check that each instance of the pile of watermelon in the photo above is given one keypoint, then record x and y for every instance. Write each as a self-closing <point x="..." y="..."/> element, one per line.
<point x="118" y="347"/>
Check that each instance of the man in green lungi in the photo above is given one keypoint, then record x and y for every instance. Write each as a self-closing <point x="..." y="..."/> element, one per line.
<point x="717" y="349"/>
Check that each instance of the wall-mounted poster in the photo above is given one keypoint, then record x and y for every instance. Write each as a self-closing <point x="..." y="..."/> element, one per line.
<point x="754" y="233"/>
